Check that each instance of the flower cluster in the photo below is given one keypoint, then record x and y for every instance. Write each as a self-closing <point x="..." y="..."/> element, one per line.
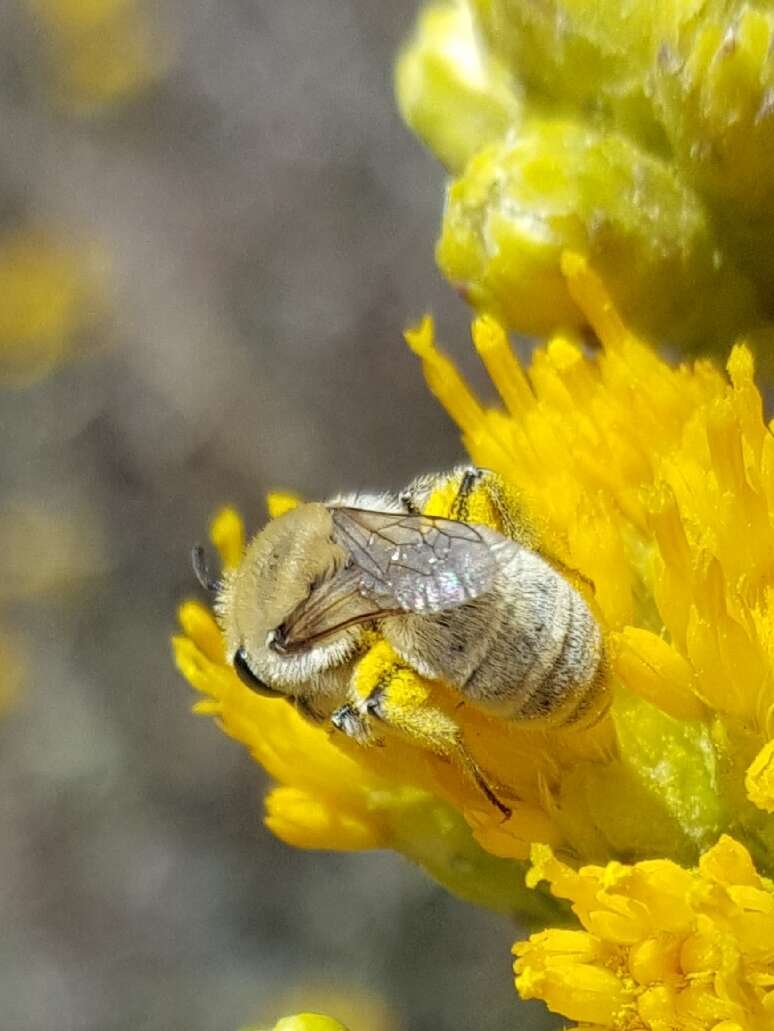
<point x="639" y="476"/>
<point x="640" y="136"/>
<point x="661" y="947"/>
<point x="655" y="484"/>
<point x="614" y="185"/>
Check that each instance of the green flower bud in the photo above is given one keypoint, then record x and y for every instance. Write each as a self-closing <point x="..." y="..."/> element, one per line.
<point x="715" y="90"/>
<point x="587" y="57"/>
<point x="520" y="203"/>
<point x="451" y="92"/>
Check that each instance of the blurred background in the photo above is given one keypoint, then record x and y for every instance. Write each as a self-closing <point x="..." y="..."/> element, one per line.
<point x="213" y="228"/>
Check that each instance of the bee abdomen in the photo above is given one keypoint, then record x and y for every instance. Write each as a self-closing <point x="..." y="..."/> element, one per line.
<point x="545" y="660"/>
<point x="568" y="689"/>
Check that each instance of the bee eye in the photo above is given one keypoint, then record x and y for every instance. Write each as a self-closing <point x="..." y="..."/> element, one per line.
<point x="249" y="679"/>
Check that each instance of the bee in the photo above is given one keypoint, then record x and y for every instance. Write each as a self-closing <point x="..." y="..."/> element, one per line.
<point x="458" y="602"/>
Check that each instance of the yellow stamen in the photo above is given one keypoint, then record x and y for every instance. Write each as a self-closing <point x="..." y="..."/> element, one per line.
<point x="504" y="370"/>
<point x="588" y="292"/>
<point x="443" y="377"/>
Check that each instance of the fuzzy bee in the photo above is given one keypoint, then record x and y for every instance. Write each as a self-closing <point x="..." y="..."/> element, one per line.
<point x="458" y="602"/>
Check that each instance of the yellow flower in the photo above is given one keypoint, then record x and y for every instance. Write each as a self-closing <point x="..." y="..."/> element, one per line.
<point x="306" y="1022"/>
<point x="100" y="52"/>
<point x="643" y="138"/>
<point x="661" y="947"/>
<point x="655" y="484"/>
<point x="453" y="93"/>
<point x="47" y="299"/>
<point x="356" y="1007"/>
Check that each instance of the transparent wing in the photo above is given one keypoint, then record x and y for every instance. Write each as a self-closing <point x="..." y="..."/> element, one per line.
<point x="418" y="563"/>
<point x="332" y="606"/>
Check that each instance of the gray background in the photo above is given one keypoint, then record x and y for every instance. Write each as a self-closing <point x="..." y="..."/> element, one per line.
<point x="269" y="226"/>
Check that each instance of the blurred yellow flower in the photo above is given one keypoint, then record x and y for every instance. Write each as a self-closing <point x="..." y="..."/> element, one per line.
<point x="306" y="1022"/>
<point x="99" y="52"/>
<point x="643" y="138"/>
<point x="12" y="672"/>
<point x="48" y="296"/>
<point x="661" y="947"/>
<point x="357" y="1007"/>
<point x="48" y="544"/>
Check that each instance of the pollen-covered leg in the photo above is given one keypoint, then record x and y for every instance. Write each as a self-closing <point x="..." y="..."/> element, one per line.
<point x="391" y="692"/>
<point x="469" y="478"/>
<point x="485" y="497"/>
<point x="443" y="494"/>
<point x="474" y="495"/>
<point x="349" y="721"/>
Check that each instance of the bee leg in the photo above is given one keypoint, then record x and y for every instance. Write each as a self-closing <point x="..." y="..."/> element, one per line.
<point x="376" y="704"/>
<point x="476" y="773"/>
<point x="513" y="521"/>
<point x="414" y="497"/>
<point x="406" y="498"/>
<point x="354" y="724"/>
<point x="470" y="476"/>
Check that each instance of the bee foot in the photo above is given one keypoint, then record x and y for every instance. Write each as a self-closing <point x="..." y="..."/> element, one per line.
<point x="483" y="783"/>
<point x="350" y="722"/>
<point x="374" y="704"/>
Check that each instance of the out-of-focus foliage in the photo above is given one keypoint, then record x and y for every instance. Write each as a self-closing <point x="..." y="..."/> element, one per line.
<point x="644" y="139"/>
<point x="12" y="671"/>
<point x="45" y="551"/>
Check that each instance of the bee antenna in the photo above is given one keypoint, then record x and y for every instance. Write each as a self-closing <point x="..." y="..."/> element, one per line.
<point x="201" y="569"/>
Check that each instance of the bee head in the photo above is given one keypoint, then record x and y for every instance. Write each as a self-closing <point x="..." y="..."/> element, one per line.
<point x="280" y="567"/>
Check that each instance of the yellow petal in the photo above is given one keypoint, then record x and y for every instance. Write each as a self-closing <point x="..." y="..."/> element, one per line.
<point x="759" y="779"/>
<point x="303" y="820"/>
<point x="227" y="533"/>
<point x="279" y="501"/>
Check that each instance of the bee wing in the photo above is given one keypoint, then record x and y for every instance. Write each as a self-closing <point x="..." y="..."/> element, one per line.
<point x="332" y="606"/>
<point x="418" y="563"/>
